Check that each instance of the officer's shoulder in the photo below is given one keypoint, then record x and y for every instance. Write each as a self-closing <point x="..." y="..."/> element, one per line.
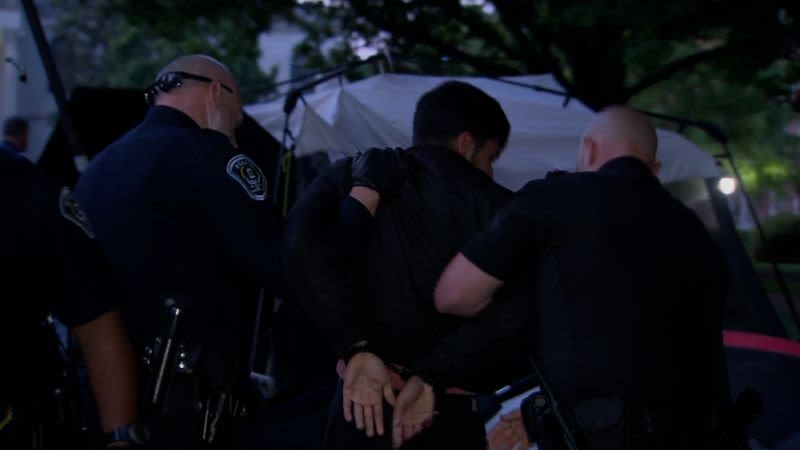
<point x="550" y="183"/>
<point x="24" y="173"/>
<point x="209" y="143"/>
<point x="207" y="150"/>
<point x="215" y="158"/>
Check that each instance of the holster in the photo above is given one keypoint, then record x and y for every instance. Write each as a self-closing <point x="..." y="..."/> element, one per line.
<point x="182" y="379"/>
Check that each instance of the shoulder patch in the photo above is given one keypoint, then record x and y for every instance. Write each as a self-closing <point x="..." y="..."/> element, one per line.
<point x="249" y="176"/>
<point x="73" y="212"/>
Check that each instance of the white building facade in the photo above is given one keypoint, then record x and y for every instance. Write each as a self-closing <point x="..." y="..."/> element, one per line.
<point x="31" y="99"/>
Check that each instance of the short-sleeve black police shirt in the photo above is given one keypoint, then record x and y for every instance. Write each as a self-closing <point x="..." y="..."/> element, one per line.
<point x="629" y="285"/>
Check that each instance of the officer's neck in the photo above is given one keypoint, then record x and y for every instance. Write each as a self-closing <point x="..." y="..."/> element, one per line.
<point x="191" y="108"/>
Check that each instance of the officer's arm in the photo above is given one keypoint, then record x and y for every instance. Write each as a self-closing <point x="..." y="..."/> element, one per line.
<point x="88" y="307"/>
<point x="499" y="337"/>
<point x="109" y="359"/>
<point x="369" y="198"/>
<point x="470" y="280"/>
<point x="494" y="342"/>
<point x="239" y="212"/>
<point x="464" y="289"/>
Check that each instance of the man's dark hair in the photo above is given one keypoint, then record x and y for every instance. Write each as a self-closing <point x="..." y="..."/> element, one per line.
<point x="15" y="126"/>
<point x="454" y="107"/>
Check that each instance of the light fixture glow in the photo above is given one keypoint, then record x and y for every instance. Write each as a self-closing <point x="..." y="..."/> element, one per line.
<point x="727" y="185"/>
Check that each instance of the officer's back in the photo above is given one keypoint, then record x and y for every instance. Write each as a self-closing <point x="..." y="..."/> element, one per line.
<point x="630" y="291"/>
<point x="180" y="213"/>
<point x="629" y="288"/>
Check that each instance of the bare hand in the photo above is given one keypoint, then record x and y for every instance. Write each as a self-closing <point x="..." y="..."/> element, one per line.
<point x="413" y="411"/>
<point x="509" y="433"/>
<point x="366" y="384"/>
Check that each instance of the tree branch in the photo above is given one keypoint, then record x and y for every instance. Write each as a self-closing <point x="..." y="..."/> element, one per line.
<point x="684" y="64"/>
<point x="415" y="32"/>
<point x="479" y="26"/>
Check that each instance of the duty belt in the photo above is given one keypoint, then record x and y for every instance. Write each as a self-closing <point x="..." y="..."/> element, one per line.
<point x="170" y="361"/>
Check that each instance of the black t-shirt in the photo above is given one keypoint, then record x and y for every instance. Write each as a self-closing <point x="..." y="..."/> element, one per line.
<point x="182" y="215"/>
<point x="50" y="265"/>
<point x="376" y="282"/>
<point x="629" y="286"/>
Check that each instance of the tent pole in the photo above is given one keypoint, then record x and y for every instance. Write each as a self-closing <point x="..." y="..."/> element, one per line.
<point x="79" y="157"/>
<point x="776" y="270"/>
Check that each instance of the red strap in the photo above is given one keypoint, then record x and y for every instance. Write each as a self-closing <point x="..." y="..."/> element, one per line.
<point x="761" y="342"/>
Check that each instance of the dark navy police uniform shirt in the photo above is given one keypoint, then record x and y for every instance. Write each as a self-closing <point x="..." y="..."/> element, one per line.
<point x="630" y="286"/>
<point x="50" y="264"/>
<point x="182" y="215"/>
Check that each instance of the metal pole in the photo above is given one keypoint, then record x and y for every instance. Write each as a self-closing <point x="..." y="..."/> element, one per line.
<point x="79" y="158"/>
<point x="776" y="270"/>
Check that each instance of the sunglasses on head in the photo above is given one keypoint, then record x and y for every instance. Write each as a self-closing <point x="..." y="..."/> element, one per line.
<point x="172" y="80"/>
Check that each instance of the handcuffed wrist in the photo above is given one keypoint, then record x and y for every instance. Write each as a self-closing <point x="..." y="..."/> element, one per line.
<point x="359" y="347"/>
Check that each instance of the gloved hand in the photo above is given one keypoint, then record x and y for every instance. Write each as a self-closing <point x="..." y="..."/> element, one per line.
<point x="380" y="169"/>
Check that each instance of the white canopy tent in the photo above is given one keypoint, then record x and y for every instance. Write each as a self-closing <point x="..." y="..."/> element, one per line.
<point x="377" y="112"/>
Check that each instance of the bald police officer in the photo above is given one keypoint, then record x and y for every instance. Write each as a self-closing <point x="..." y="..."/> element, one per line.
<point x="185" y="220"/>
<point x="629" y="295"/>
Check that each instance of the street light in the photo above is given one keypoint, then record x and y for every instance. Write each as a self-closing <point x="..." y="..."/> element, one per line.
<point x="727" y="185"/>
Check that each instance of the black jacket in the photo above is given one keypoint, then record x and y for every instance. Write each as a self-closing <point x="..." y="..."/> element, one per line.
<point x="374" y="280"/>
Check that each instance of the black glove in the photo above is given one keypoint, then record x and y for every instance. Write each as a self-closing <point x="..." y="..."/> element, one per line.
<point x="380" y="169"/>
<point x="555" y="174"/>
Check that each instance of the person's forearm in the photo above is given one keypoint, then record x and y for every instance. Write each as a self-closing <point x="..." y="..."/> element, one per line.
<point x="368" y="197"/>
<point x="111" y="364"/>
<point x="497" y="341"/>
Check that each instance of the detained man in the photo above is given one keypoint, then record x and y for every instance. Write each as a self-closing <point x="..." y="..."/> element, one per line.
<point x="365" y="246"/>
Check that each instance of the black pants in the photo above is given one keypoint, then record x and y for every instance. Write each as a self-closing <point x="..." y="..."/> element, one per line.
<point x="463" y="432"/>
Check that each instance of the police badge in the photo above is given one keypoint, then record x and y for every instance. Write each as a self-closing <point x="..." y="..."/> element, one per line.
<point x="249" y="176"/>
<point x="73" y="212"/>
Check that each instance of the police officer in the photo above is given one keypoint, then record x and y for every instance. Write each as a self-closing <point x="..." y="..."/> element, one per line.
<point x="15" y="135"/>
<point x="51" y="265"/>
<point x="629" y="292"/>
<point x="368" y="282"/>
<point x="186" y="222"/>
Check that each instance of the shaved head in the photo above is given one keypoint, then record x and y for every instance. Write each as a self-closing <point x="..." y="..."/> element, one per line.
<point x="213" y="103"/>
<point x="200" y="65"/>
<point x="615" y="132"/>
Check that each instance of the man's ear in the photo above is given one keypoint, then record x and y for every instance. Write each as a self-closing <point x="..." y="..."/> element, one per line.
<point x="464" y="144"/>
<point x="216" y="92"/>
<point x="588" y="154"/>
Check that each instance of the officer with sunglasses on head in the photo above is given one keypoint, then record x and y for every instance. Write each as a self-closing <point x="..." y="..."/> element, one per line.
<point x="186" y="221"/>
